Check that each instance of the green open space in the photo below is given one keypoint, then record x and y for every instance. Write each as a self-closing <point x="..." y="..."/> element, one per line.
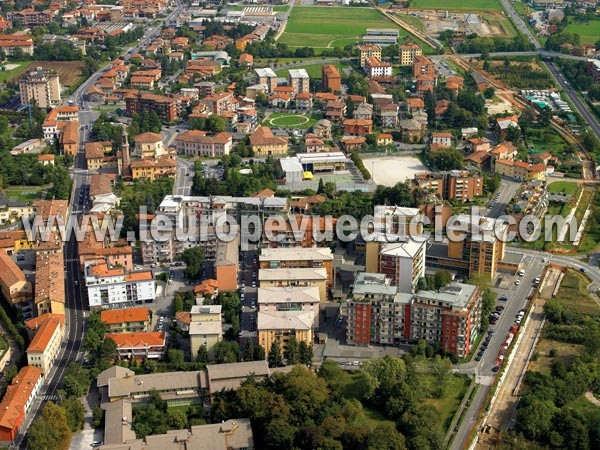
<point x="447" y="405"/>
<point x="321" y="27"/>
<point x="290" y="120"/>
<point x="14" y="73"/>
<point x="589" y="32"/>
<point x="471" y="5"/>
<point x="566" y="187"/>
<point x="542" y="361"/>
<point x="313" y="70"/>
<point x="24" y="193"/>
<point x="573" y="294"/>
<point x="242" y="7"/>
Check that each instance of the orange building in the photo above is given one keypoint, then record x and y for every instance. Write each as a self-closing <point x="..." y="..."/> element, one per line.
<point x="128" y="320"/>
<point x="17" y="401"/>
<point x="332" y="80"/>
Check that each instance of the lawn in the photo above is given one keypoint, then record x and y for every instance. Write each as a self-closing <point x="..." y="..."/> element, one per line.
<point x="588" y="32"/>
<point x="290" y="120"/>
<point x="567" y="187"/>
<point x="315" y="27"/>
<point x="543" y="361"/>
<point x="446" y="406"/>
<point x="14" y="73"/>
<point x="24" y="193"/>
<point x="471" y="5"/>
<point x="313" y="70"/>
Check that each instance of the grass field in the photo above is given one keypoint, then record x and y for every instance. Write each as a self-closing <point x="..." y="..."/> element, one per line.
<point x="315" y="27"/>
<point x="574" y="295"/>
<point x="567" y="187"/>
<point x="290" y="120"/>
<point x="313" y="70"/>
<point x="588" y="32"/>
<point x="69" y="72"/>
<point x="471" y="5"/>
<point x="14" y="73"/>
<point x="24" y="193"/>
<point x="446" y="406"/>
<point x="564" y="350"/>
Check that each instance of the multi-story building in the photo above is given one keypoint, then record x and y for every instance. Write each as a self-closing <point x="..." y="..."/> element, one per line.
<point x="291" y="298"/>
<point x="305" y="276"/>
<point x="280" y="326"/>
<point x="357" y="127"/>
<point x="267" y="77"/>
<point x="16" y="403"/>
<point x="375" y="68"/>
<point x="164" y="106"/>
<point x="299" y="80"/>
<point x="408" y="53"/>
<point x="456" y="185"/>
<point x="331" y="79"/>
<point x="450" y="317"/>
<point x="368" y="50"/>
<point x="292" y="258"/>
<point x="263" y="143"/>
<point x="41" y="87"/>
<point x="29" y="17"/>
<point x="165" y="166"/>
<point x="442" y="139"/>
<point x="15" y="287"/>
<point x="422" y="65"/>
<point x="128" y="320"/>
<point x="49" y="278"/>
<point x="9" y="43"/>
<point x="219" y="102"/>
<point x="197" y="143"/>
<point x="110" y="288"/>
<point x="151" y="345"/>
<point x="388" y="114"/>
<point x="520" y="170"/>
<point x="206" y="329"/>
<point x="95" y="154"/>
<point x="148" y="146"/>
<point x="48" y="332"/>
<point x="403" y="263"/>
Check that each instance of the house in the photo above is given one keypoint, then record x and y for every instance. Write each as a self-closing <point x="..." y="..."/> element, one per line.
<point x="478" y="144"/>
<point x="9" y="43"/>
<point x="411" y="130"/>
<point x="504" y="123"/>
<point x="150" y="345"/>
<point x="14" y="285"/>
<point x="357" y="127"/>
<point x="363" y="111"/>
<point x="95" y="153"/>
<point x="322" y="129"/>
<point x="415" y="104"/>
<point x="335" y="110"/>
<point x="480" y="159"/>
<point x="18" y="400"/>
<point x="422" y="65"/>
<point x="128" y="320"/>
<point x="263" y="142"/>
<point x="504" y="150"/>
<point x="304" y="100"/>
<point x="441" y="108"/>
<point x="246" y="60"/>
<point x="384" y="139"/>
<point x="441" y="138"/>
<point x="375" y="68"/>
<point x="46" y="159"/>
<point x="352" y="143"/>
<point x="388" y="115"/>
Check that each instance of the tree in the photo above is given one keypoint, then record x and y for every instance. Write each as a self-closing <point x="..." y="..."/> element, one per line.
<point x="489" y="92"/>
<point x="51" y="431"/>
<point x="74" y="412"/>
<point x="386" y="437"/>
<point x="97" y="416"/>
<point x="259" y="353"/>
<point x="280" y="434"/>
<point x="177" y="303"/>
<point x="441" y="371"/>
<point x="177" y="419"/>
<point x="441" y="278"/>
<point x="175" y="357"/>
<point x="248" y="353"/>
<point x="226" y="352"/>
<point x="291" y="351"/>
<point x="193" y="258"/>
<point x="306" y="353"/>
<point x="202" y="356"/>
<point x="445" y="159"/>
<point x="274" y="357"/>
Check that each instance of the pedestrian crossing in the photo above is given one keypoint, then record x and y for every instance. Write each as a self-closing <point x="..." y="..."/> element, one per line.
<point x="50" y="398"/>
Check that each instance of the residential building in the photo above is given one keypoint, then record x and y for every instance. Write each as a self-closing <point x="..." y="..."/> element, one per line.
<point x="227" y="263"/>
<point x="331" y="79"/>
<point x="150" y="345"/>
<point x="263" y="142"/>
<point x="375" y="68"/>
<point x="128" y="320"/>
<point x="477" y="144"/>
<point x="299" y="80"/>
<point x="197" y="143"/>
<point x="368" y="50"/>
<point x="322" y="129"/>
<point x="164" y="166"/>
<point x="205" y="329"/>
<point x="148" y="146"/>
<point x="18" y="400"/>
<point x="49" y="278"/>
<point x="388" y="114"/>
<point x="280" y="326"/>
<point x="48" y="331"/>
<point x="456" y="185"/>
<point x="335" y="110"/>
<point x="357" y="127"/>
<point x="442" y="139"/>
<point x="412" y="130"/>
<point x="305" y="276"/>
<point x="408" y="53"/>
<point x="219" y="102"/>
<point x="363" y="111"/>
<point x="164" y="106"/>
<point x="292" y="258"/>
<point x="9" y="43"/>
<point x="267" y="77"/>
<point x="299" y="298"/>
<point x="13" y="284"/>
<point x="504" y="123"/>
<point x="520" y="170"/>
<point x="110" y="288"/>
<point x="402" y="262"/>
<point x="304" y="100"/>
<point x="96" y="153"/>
<point x="41" y="87"/>
<point x="422" y="65"/>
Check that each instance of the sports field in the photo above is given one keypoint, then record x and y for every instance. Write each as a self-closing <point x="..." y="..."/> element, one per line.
<point x="588" y="32"/>
<point x="290" y="120"/>
<point x="328" y="27"/>
<point x="12" y="71"/>
<point x="470" y="5"/>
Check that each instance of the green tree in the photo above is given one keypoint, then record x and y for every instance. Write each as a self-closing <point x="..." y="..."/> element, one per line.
<point x="177" y="303"/>
<point x="274" y="357"/>
<point x="175" y="357"/>
<point x="74" y="412"/>
<point x="226" y="352"/>
<point x="51" y="430"/>
<point x="385" y="437"/>
<point x="441" y="278"/>
<point x="193" y="258"/>
<point x="202" y="356"/>
<point x="177" y="419"/>
<point x="248" y="352"/>
<point x="291" y="351"/>
<point x="306" y="353"/>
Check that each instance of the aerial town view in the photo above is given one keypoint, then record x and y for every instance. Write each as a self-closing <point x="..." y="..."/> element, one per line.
<point x="299" y="224"/>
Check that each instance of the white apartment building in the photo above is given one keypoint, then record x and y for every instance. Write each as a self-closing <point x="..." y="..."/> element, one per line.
<point x="403" y="263"/>
<point x="374" y="67"/>
<point x="299" y="80"/>
<point x="110" y="288"/>
<point x="43" y="348"/>
<point x="40" y="86"/>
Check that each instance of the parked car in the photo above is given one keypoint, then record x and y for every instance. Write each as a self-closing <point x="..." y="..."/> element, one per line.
<point x="503" y="299"/>
<point x="517" y="282"/>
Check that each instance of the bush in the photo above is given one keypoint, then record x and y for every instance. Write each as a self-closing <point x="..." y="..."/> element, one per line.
<point x="358" y="162"/>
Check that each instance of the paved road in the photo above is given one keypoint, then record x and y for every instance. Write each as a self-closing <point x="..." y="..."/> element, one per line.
<point x="505" y="192"/>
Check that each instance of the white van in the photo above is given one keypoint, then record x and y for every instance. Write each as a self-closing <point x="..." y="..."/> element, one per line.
<point x="521" y="272"/>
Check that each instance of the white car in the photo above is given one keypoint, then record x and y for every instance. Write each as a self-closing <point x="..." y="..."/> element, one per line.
<point x="517" y="282"/>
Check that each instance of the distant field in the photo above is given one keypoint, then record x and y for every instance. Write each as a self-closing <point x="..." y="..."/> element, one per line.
<point x="588" y="32"/>
<point x="327" y="27"/>
<point x="69" y="72"/>
<point x="471" y="5"/>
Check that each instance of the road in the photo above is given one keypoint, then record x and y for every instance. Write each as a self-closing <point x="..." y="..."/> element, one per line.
<point x="505" y="193"/>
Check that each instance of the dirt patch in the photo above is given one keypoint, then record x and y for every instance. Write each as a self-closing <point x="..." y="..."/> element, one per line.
<point x="390" y="170"/>
<point x="69" y="72"/>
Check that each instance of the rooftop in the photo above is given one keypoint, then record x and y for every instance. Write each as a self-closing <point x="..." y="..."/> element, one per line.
<point x="314" y="274"/>
<point x="455" y="295"/>
<point x="296" y="254"/>
<point x="285" y="320"/>
<point x="288" y="294"/>
<point x="118" y="316"/>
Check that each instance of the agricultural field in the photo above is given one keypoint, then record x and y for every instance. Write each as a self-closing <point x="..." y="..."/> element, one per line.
<point x="472" y="5"/>
<point x="588" y="32"/>
<point x="287" y="120"/>
<point x="69" y="72"/>
<point x="313" y="70"/>
<point x="314" y="27"/>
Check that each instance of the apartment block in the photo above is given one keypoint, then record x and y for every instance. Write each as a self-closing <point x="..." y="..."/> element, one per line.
<point x="368" y="50"/>
<point x="292" y="258"/>
<point x="408" y="53"/>
<point x="280" y="326"/>
<point x="13" y="284"/>
<point x="422" y="65"/>
<point x="305" y="277"/>
<point x="197" y="143"/>
<point x="164" y="106"/>
<point x="299" y="80"/>
<point x="267" y="77"/>
<point x="128" y="320"/>
<point x="206" y="329"/>
<point x="151" y="345"/>
<point x="291" y="298"/>
<point x="403" y="263"/>
<point x="331" y="79"/>
<point x="48" y="332"/>
<point x="456" y="185"/>
<point x="219" y="102"/>
<point x="49" y="278"/>
<point x="16" y="403"/>
<point x="357" y="127"/>
<point x="113" y="287"/>
<point x="375" y="68"/>
<point x="41" y="87"/>
<point x="9" y="43"/>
